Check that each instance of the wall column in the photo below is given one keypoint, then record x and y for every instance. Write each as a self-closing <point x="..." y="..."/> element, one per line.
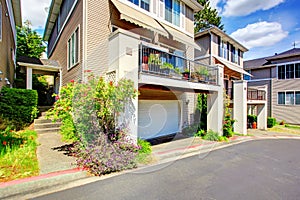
<point x="215" y="105"/>
<point x="262" y="116"/>
<point x="29" y="78"/>
<point x="240" y="106"/>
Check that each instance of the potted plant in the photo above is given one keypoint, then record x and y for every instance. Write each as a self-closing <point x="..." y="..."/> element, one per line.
<point x="202" y="73"/>
<point x="186" y="74"/>
<point x="154" y="62"/>
<point x="166" y="68"/>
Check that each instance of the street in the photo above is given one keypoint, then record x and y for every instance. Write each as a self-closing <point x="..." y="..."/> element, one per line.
<point x="261" y="169"/>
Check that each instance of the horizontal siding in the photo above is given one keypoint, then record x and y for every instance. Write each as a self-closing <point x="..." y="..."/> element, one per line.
<point x="289" y="113"/>
<point x="261" y="73"/>
<point x="60" y="52"/>
<point x="269" y="93"/>
<point x="98" y="30"/>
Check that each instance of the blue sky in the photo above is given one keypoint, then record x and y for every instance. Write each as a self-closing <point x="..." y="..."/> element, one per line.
<point x="265" y="27"/>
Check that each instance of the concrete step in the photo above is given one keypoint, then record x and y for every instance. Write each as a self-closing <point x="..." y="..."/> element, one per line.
<point x="44" y="108"/>
<point x="47" y="125"/>
<point x="47" y="130"/>
<point x="42" y="120"/>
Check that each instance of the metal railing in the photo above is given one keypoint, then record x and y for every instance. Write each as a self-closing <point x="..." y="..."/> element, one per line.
<point x="256" y="95"/>
<point x="160" y="63"/>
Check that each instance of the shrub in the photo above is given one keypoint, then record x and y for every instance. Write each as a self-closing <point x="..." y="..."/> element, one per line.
<point x="18" y="105"/>
<point x="144" y="147"/>
<point x="200" y="133"/>
<point x="251" y="118"/>
<point x="211" y="135"/>
<point x="190" y="130"/>
<point x="271" y="121"/>
<point x="228" y="121"/>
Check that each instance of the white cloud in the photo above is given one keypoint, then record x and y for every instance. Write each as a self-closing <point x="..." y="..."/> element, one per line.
<point x="35" y="11"/>
<point x="246" y="7"/>
<point x="260" y="34"/>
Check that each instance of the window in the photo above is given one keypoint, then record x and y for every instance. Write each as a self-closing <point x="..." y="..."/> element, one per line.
<point x="73" y="49"/>
<point x="232" y="53"/>
<point x="0" y="21"/>
<point x="142" y="3"/>
<point x="176" y="12"/>
<point x="289" y="71"/>
<point x="289" y="98"/>
<point x="297" y="98"/>
<point x="172" y="11"/>
<point x="168" y="10"/>
<point x="281" y="72"/>
<point x="297" y="70"/>
<point x="281" y="98"/>
<point x="247" y="77"/>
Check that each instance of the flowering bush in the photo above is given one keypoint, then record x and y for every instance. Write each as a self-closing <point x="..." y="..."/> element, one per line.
<point x="93" y="112"/>
<point x="228" y="121"/>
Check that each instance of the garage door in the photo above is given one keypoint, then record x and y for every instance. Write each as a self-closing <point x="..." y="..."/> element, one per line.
<point x="158" y="118"/>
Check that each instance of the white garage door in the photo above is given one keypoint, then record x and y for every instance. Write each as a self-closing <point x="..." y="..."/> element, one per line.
<point x="158" y="118"/>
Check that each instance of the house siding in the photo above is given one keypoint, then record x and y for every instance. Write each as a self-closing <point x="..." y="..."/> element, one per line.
<point x="60" y="51"/>
<point x="288" y="113"/>
<point x="7" y="49"/>
<point x="98" y="30"/>
<point x="204" y="44"/>
<point x="261" y="73"/>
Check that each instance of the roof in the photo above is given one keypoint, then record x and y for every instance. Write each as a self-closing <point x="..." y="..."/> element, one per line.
<point x="37" y="61"/>
<point x="232" y="66"/>
<point x="267" y="61"/>
<point x="51" y="19"/>
<point x="221" y="33"/>
<point x="16" y="4"/>
<point x="288" y="53"/>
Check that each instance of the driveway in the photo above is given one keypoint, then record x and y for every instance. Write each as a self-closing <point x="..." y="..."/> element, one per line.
<point x="261" y="169"/>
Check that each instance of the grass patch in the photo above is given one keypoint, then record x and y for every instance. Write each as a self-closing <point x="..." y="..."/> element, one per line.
<point x="292" y="126"/>
<point x="285" y="129"/>
<point x="145" y="152"/>
<point x="18" y="159"/>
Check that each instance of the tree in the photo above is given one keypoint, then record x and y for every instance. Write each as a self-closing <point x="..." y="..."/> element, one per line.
<point x="207" y="17"/>
<point x="29" y="43"/>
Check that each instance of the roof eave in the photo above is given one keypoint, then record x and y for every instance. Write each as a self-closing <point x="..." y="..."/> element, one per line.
<point x="16" y="4"/>
<point x="52" y="16"/>
<point x="193" y="4"/>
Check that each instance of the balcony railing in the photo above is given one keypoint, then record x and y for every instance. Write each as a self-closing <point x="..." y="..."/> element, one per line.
<point x="159" y="63"/>
<point x="256" y="95"/>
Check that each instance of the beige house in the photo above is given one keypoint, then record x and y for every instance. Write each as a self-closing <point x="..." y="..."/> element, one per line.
<point x="10" y="17"/>
<point x="148" y="41"/>
<point x="218" y="48"/>
<point x="281" y="73"/>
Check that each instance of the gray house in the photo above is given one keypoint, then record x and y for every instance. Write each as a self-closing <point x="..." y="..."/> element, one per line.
<point x="281" y="73"/>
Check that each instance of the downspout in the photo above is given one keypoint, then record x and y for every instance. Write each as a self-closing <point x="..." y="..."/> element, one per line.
<point x="84" y="32"/>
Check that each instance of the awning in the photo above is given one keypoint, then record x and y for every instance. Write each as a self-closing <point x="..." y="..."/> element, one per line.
<point x="232" y="66"/>
<point x="178" y="36"/>
<point x="130" y="14"/>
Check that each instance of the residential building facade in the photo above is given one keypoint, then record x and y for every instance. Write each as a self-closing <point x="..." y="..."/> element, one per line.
<point x="218" y="48"/>
<point x="10" y="17"/>
<point x="148" y="41"/>
<point x="281" y="73"/>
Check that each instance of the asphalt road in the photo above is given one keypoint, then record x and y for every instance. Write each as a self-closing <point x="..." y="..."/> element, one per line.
<point x="262" y="169"/>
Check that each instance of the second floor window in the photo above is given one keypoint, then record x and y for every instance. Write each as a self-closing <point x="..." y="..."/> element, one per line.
<point x="289" y="71"/>
<point x="289" y="98"/>
<point x="172" y="11"/>
<point x="73" y="49"/>
<point x="145" y="4"/>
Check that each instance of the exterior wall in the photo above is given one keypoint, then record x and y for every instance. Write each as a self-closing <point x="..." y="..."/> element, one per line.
<point x="287" y="59"/>
<point x="288" y="113"/>
<point x="269" y="92"/>
<point x="204" y="44"/>
<point x="262" y="73"/>
<point x="60" y="51"/>
<point x="97" y="34"/>
<point x="215" y="46"/>
<point x="189" y="101"/>
<point x="7" y="49"/>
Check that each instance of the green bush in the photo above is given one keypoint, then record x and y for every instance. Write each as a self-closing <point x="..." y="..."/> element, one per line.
<point x="145" y="147"/>
<point x="18" y="105"/>
<point x="212" y="136"/>
<point x="252" y="118"/>
<point x="200" y="133"/>
<point x="271" y="121"/>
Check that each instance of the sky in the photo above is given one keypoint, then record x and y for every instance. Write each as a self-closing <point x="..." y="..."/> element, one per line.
<point x="265" y="27"/>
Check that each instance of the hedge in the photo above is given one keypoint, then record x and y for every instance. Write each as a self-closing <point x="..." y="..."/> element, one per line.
<point x="271" y="122"/>
<point x="18" y="105"/>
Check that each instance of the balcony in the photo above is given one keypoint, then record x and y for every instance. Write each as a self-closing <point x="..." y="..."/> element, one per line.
<point x="253" y="94"/>
<point x="166" y="65"/>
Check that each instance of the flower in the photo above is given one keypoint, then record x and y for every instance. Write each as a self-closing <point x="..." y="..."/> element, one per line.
<point x="72" y="81"/>
<point x="56" y="98"/>
<point x="111" y="83"/>
<point x="4" y="143"/>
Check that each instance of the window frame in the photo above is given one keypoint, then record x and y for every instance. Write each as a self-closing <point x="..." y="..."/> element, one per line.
<point x="278" y="99"/>
<point x="73" y="47"/>
<point x="288" y="100"/>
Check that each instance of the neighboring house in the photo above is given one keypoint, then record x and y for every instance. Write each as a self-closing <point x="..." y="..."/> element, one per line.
<point x="10" y="17"/>
<point x="281" y="73"/>
<point x="216" y="47"/>
<point x="148" y="41"/>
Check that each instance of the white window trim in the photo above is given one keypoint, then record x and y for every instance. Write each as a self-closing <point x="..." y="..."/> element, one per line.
<point x="69" y="67"/>
<point x="284" y="64"/>
<point x="285" y="99"/>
